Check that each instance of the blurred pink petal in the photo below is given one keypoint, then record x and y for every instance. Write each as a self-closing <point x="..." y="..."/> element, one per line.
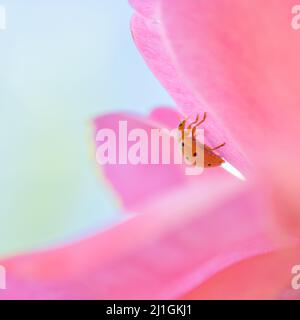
<point x="174" y="245"/>
<point x="266" y="276"/>
<point x="134" y="183"/>
<point x="166" y="117"/>
<point x="282" y="184"/>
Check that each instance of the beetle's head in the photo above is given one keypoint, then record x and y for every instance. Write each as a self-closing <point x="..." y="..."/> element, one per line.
<point x="181" y="125"/>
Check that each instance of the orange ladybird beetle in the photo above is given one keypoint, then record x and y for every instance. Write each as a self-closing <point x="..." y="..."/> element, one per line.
<point x="189" y="145"/>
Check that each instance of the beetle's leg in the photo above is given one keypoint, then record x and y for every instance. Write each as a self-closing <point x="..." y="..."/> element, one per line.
<point x="194" y="122"/>
<point x="203" y="119"/>
<point x="181" y="128"/>
<point x="194" y="144"/>
<point x="218" y="147"/>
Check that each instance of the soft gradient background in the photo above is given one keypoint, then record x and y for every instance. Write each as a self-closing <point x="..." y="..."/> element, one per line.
<point x="61" y="63"/>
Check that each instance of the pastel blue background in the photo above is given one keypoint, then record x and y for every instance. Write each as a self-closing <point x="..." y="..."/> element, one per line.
<point x="61" y="63"/>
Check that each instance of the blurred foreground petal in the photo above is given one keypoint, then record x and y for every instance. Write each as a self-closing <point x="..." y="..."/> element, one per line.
<point x="266" y="276"/>
<point x="174" y="245"/>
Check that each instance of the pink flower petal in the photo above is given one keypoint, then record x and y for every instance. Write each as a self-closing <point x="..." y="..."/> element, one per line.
<point x="174" y="245"/>
<point x="147" y="34"/>
<point x="241" y="59"/>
